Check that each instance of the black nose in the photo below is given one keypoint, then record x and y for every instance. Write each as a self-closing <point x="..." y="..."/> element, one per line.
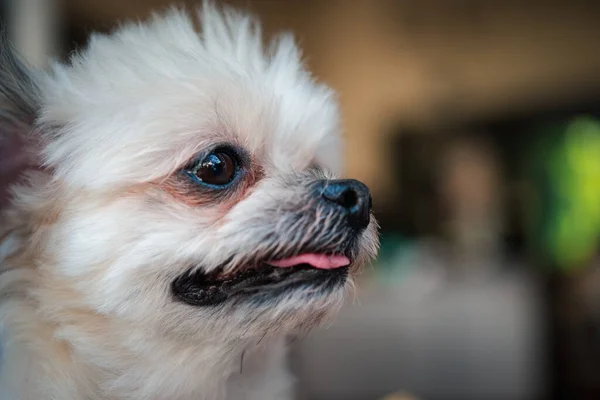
<point x="352" y="196"/>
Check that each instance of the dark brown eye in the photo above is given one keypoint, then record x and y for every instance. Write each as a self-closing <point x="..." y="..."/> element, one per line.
<point x="216" y="169"/>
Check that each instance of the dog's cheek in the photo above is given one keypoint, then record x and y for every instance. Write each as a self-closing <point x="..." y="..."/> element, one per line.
<point x="103" y="248"/>
<point x="88" y="239"/>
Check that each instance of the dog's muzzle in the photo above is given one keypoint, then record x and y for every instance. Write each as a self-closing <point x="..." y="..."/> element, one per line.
<point x="317" y="255"/>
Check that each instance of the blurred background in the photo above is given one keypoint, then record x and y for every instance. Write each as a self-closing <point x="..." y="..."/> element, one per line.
<point x="477" y="126"/>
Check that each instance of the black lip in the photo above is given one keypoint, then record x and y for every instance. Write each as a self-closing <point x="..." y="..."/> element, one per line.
<point x="200" y="289"/>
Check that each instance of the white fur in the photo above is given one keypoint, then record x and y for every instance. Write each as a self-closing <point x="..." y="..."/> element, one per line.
<point x="92" y="242"/>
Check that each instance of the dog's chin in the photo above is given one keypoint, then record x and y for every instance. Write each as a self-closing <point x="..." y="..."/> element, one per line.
<point x="262" y="283"/>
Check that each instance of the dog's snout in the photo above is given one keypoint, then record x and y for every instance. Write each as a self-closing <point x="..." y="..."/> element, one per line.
<point x="352" y="196"/>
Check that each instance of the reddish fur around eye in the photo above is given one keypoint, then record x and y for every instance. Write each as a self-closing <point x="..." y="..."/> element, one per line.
<point x="183" y="190"/>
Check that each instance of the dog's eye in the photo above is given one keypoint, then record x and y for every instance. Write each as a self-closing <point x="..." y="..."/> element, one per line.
<point x="216" y="169"/>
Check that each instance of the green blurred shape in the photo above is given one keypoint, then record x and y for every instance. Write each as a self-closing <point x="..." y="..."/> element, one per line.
<point x="565" y="212"/>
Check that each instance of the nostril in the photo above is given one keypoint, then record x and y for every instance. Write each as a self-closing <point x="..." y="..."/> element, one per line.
<point x="341" y="194"/>
<point x="351" y="196"/>
<point x="348" y="199"/>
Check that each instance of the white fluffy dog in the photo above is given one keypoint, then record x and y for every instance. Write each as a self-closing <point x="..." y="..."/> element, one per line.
<point x="172" y="214"/>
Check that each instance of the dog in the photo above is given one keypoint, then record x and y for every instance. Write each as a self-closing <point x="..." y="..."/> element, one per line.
<point x="173" y="212"/>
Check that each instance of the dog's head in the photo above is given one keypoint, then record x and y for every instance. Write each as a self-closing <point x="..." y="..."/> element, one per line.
<point x="190" y="180"/>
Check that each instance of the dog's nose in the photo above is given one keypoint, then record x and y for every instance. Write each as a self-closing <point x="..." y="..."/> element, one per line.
<point x="352" y="196"/>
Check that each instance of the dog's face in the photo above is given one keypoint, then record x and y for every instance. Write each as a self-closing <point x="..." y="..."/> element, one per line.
<point x="195" y="182"/>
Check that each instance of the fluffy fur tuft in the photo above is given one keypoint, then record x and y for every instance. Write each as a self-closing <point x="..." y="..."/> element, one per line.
<point x="100" y="221"/>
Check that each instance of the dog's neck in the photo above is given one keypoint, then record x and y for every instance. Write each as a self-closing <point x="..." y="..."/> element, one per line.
<point x="53" y="349"/>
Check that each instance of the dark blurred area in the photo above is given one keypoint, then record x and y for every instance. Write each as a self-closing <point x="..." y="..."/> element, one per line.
<point x="477" y="126"/>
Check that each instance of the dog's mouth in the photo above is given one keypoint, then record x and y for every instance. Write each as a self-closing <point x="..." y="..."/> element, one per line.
<point x="321" y="273"/>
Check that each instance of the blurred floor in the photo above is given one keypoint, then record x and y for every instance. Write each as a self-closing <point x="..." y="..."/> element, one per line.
<point x="433" y="336"/>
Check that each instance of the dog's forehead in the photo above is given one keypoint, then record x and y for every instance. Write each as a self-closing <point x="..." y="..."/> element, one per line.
<point x="137" y="104"/>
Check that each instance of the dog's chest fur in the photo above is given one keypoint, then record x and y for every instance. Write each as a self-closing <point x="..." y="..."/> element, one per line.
<point x="51" y="372"/>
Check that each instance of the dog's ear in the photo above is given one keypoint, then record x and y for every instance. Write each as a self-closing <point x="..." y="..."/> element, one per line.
<point x="19" y="105"/>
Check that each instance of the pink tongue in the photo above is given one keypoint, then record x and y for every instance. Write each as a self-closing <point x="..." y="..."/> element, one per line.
<point x="319" y="261"/>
